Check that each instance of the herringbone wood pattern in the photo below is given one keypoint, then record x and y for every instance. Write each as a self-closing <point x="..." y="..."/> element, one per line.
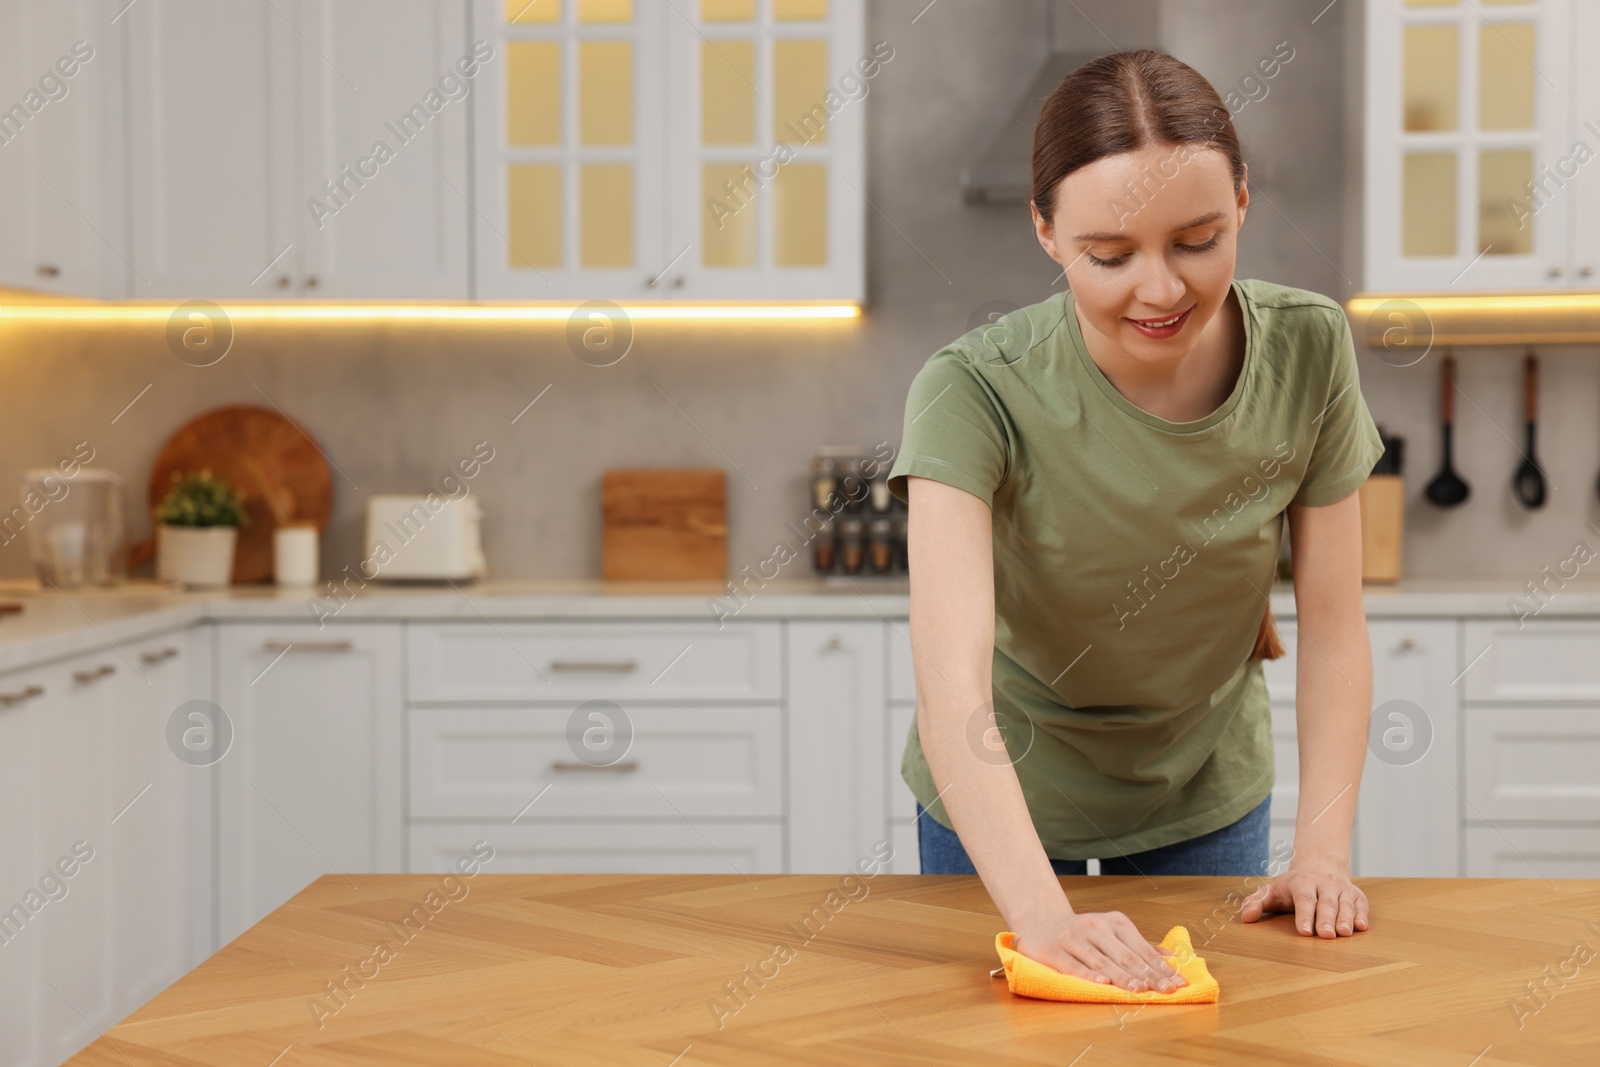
<point x="630" y="970"/>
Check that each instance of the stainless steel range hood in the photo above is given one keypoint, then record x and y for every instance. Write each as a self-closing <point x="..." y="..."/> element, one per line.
<point x="1079" y="30"/>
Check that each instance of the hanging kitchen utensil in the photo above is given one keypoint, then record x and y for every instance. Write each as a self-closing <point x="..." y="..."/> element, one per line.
<point x="1529" y="482"/>
<point x="1447" y="488"/>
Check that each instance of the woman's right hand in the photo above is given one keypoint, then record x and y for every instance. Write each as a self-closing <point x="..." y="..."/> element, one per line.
<point x="1102" y="946"/>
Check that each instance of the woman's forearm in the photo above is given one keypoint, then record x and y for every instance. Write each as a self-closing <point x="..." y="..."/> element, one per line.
<point x="1333" y="701"/>
<point x="985" y="802"/>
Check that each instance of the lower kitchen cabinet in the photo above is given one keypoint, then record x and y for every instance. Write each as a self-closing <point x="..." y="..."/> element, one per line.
<point x="524" y="763"/>
<point x="704" y="846"/>
<point x="836" y="744"/>
<point x="1409" y="798"/>
<point x="1506" y="851"/>
<point x="96" y="850"/>
<point x="312" y="783"/>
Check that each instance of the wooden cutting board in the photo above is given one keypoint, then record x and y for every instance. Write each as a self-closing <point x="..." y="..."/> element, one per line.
<point x="260" y="452"/>
<point x="663" y="524"/>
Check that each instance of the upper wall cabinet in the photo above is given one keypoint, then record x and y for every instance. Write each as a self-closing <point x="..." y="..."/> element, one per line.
<point x="1471" y="145"/>
<point x="60" y="222"/>
<point x="708" y="149"/>
<point x="299" y="148"/>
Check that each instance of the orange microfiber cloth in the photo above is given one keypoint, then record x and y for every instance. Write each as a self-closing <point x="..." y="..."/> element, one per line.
<point x="1030" y="978"/>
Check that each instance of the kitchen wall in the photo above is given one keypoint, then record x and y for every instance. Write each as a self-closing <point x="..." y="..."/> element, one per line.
<point x="394" y="406"/>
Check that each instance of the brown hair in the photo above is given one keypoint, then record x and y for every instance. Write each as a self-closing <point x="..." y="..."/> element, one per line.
<point x="1121" y="102"/>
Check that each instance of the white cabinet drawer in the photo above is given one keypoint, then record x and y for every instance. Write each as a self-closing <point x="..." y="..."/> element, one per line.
<point x="902" y="669"/>
<point x="902" y="802"/>
<point x="1552" y="660"/>
<point x="1538" y="764"/>
<point x="490" y="763"/>
<point x="1533" y="852"/>
<point x="479" y="662"/>
<point x="604" y="848"/>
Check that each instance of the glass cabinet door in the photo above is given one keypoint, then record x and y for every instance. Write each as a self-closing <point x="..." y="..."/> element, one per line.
<point x="766" y="155"/>
<point x="1467" y="108"/>
<point x="569" y="194"/>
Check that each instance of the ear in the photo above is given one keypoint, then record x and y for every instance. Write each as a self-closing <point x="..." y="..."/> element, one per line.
<point x="1044" y="231"/>
<point x="1244" y="193"/>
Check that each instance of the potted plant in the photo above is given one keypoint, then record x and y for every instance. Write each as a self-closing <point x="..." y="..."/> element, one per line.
<point x="198" y="526"/>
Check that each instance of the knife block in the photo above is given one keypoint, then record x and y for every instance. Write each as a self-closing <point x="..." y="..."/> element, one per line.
<point x="1382" y="528"/>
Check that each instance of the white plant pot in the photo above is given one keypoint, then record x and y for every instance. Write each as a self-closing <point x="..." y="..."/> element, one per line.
<point x="196" y="555"/>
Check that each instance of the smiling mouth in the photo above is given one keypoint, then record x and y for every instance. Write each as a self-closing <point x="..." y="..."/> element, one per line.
<point x="1163" y="328"/>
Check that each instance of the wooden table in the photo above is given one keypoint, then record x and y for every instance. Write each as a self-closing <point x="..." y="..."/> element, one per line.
<point x="627" y="970"/>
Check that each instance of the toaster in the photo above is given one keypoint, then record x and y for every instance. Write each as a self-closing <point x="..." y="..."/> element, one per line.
<point x="428" y="537"/>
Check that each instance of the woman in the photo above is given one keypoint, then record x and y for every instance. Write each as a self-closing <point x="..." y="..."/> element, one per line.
<point x="1096" y="487"/>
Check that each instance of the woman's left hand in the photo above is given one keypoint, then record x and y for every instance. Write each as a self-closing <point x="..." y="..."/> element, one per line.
<point x="1322" y="898"/>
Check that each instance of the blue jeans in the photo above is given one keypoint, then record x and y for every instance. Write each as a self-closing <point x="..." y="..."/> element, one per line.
<point x="1241" y="848"/>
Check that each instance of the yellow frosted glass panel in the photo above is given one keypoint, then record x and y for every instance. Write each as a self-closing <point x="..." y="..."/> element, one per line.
<point x="533" y="92"/>
<point x="799" y="10"/>
<point x="605" y="92"/>
<point x="1505" y="225"/>
<point x="799" y="84"/>
<point x="1430" y="60"/>
<point x="800" y="215"/>
<point x="533" y="215"/>
<point x="727" y="10"/>
<point x="1505" y="76"/>
<point x="532" y="12"/>
<point x="727" y="92"/>
<point x="605" y="10"/>
<point x="605" y="221"/>
<point x="728" y="221"/>
<point x="1428" y="204"/>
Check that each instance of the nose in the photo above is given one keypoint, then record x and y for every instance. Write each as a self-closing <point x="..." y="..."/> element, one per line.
<point x="1158" y="286"/>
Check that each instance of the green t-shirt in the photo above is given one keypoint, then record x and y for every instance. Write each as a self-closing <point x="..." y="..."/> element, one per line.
<point x="1132" y="558"/>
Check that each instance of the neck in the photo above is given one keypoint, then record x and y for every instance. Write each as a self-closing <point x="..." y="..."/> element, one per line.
<point x="1181" y="389"/>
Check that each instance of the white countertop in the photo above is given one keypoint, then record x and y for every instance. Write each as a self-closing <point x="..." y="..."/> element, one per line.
<point x="55" y="624"/>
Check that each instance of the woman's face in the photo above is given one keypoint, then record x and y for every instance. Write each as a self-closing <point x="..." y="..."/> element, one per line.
<point x="1146" y="237"/>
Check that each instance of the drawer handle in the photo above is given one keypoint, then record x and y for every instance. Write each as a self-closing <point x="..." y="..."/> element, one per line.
<point x="85" y="677"/>
<point x="158" y="655"/>
<point x="308" y="646"/>
<point x="616" y="666"/>
<point x="619" y="767"/>
<point x="8" y="699"/>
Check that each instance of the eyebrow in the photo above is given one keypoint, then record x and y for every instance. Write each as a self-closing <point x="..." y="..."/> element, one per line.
<point x="1191" y="224"/>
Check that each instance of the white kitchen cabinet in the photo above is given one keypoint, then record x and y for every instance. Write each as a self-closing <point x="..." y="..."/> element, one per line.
<point x="1533" y="763"/>
<point x="98" y="831"/>
<point x="241" y="112"/>
<point x="836" y="744"/>
<point x="603" y="847"/>
<point x="1543" y="661"/>
<point x="605" y="143"/>
<point x="1532" y="852"/>
<point x="1464" y="105"/>
<point x="60" y="206"/>
<point x="384" y="119"/>
<point x="1408" y="785"/>
<point x="313" y="782"/>
<point x="752" y="222"/>
<point x="22" y="775"/>
<point x="152" y="838"/>
<point x="517" y="662"/>
<point x="76" y="932"/>
<point x="676" y="762"/>
<point x="211" y="148"/>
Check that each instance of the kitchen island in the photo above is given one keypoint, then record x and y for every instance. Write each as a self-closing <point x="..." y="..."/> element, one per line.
<point x="678" y="970"/>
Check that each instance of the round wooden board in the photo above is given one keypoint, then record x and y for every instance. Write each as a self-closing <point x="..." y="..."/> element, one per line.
<point x="259" y="452"/>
